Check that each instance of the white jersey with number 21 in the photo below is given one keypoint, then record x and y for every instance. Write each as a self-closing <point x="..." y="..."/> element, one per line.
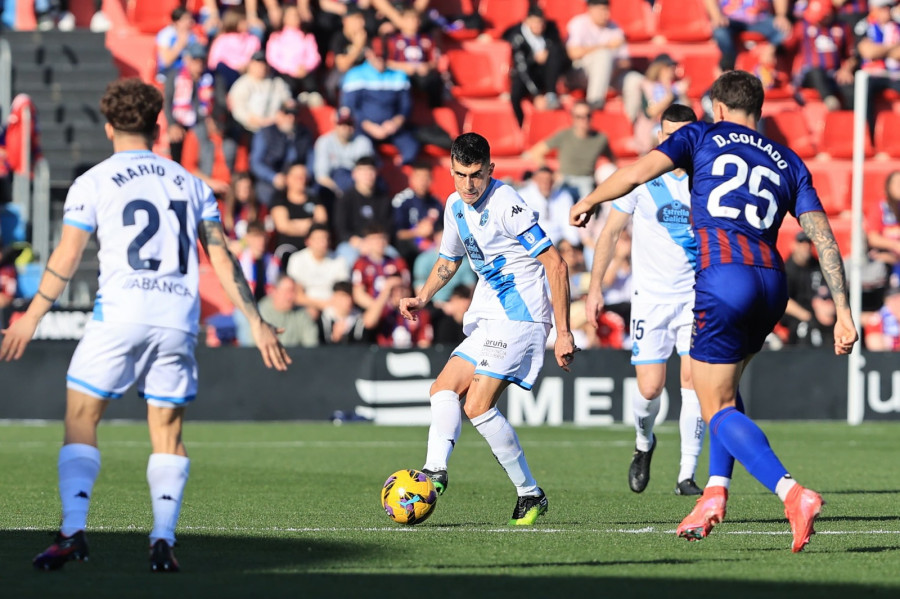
<point x="145" y="210"/>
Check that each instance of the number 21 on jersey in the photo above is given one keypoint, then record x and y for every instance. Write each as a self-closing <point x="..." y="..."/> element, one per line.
<point x="179" y="207"/>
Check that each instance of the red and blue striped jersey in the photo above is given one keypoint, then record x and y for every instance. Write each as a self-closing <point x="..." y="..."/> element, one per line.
<point x="742" y="186"/>
<point x="822" y="46"/>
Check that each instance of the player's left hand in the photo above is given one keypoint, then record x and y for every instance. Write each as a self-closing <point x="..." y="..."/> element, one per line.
<point x="410" y="305"/>
<point x="273" y="353"/>
<point x="564" y="349"/>
<point x="16" y="338"/>
<point x="580" y="213"/>
<point x="845" y="334"/>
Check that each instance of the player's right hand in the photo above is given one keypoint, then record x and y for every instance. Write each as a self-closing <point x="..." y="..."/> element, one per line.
<point x="845" y="334"/>
<point x="16" y="338"/>
<point x="410" y="305"/>
<point x="580" y="213"/>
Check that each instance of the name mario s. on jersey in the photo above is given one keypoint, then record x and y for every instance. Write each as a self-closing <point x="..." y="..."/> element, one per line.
<point x="756" y="142"/>
<point x="148" y="284"/>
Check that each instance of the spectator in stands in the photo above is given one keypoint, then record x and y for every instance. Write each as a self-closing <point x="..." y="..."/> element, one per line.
<point x="336" y="153"/>
<point x="879" y="48"/>
<point x="294" y="211"/>
<point x="189" y="106"/>
<point x="387" y="327"/>
<point x="347" y="45"/>
<point x="316" y="269"/>
<point x="173" y="41"/>
<point x="56" y="14"/>
<point x="882" y="329"/>
<point x="258" y="14"/>
<point x="447" y="318"/>
<point x="296" y="328"/>
<point x="294" y="55"/>
<point x="373" y="267"/>
<point x="241" y="207"/>
<point x="538" y="61"/>
<point x="579" y="275"/>
<point x="804" y="282"/>
<point x="849" y="12"/>
<point x="552" y="203"/>
<point x="233" y="48"/>
<point x="729" y="20"/>
<point x="425" y="262"/>
<point x="393" y="12"/>
<point x="341" y="321"/>
<point x="276" y="147"/>
<point x="8" y="282"/>
<point x="261" y="268"/>
<point x="380" y="102"/>
<point x="417" y="214"/>
<point x="825" y="56"/>
<point x="659" y="90"/>
<point x="617" y="281"/>
<point x="253" y="102"/>
<point x="883" y="227"/>
<point x="579" y="146"/>
<point x="597" y="47"/>
<point x="415" y="53"/>
<point x="358" y="208"/>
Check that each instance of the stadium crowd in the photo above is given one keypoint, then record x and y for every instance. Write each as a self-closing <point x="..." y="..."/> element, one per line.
<point x="318" y="125"/>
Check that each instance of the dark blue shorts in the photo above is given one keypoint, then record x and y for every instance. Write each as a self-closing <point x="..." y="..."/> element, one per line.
<point x="735" y="308"/>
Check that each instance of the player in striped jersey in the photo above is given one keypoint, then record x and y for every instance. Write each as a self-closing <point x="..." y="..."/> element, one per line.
<point x="743" y="185"/>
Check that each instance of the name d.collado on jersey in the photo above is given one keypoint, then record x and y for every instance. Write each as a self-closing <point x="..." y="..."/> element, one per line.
<point x="752" y="140"/>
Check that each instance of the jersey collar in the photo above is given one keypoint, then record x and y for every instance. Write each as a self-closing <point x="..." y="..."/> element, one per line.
<point x="487" y="192"/>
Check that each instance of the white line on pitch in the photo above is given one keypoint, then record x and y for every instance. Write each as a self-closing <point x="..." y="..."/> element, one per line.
<point x="292" y="444"/>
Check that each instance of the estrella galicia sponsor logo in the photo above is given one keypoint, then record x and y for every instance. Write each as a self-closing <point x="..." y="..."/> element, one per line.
<point x="473" y="250"/>
<point x="675" y="214"/>
<point x="148" y="284"/>
<point x="484" y="218"/>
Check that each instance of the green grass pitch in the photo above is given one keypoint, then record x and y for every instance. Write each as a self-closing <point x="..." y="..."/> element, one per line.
<point x="293" y="510"/>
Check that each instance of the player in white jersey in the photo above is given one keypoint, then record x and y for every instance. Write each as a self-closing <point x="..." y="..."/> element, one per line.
<point x="507" y="323"/>
<point x="147" y="212"/>
<point x="663" y="256"/>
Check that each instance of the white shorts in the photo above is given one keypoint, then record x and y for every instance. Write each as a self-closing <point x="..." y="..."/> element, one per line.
<point x="509" y="350"/>
<point x="111" y="357"/>
<point x="657" y="328"/>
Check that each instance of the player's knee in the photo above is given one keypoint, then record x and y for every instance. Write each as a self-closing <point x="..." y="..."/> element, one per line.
<point x="650" y="389"/>
<point x="474" y="409"/>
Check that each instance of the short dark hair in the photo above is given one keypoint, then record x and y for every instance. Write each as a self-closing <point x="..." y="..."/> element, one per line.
<point x="679" y="113"/>
<point x="469" y="149"/>
<point x="739" y="90"/>
<point x="257" y="227"/>
<point x="318" y="227"/>
<point x="132" y="106"/>
<point x="177" y="13"/>
<point x="375" y="228"/>
<point x="343" y="287"/>
<point x="366" y="161"/>
<point x="462" y="290"/>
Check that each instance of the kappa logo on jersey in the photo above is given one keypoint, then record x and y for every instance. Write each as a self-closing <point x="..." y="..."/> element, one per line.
<point x="473" y="250"/>
<point x="484" y="363"/>
<point x="656" y="183"/>
<point x="675" y="214"/>
<point x="484" y="218"/>
<point x="459" y="215"/>
<point x="517" y="210"/>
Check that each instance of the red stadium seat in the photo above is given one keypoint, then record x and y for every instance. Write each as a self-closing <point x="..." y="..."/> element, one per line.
<point x="441" y="181"/>
<point x="561" y="12"/>
<point x="682" y="20"/>
<point x="541" y="124"/>
<point x="843" y="233"/>
<point x="149" y="16"/>
<point x="480" y="70"/>
<point x="875" y="176"/>
<point x="887" y="124"/>
<point x="496" y="122"/>
<point x="789" y="128"/>
<point x="837" y="135"/>
<point x="832" y="182"/>
<point x="618" y="129"/>
<point x="700" y="68"/>
<point x="501" y="14"/>
<point x="635" y="17"/>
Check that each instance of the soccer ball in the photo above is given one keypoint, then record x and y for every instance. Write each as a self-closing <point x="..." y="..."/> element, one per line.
<point x="408" y="497"/>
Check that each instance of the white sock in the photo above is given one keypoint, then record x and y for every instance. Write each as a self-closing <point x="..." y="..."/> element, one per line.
<point x="784" y="486"/>
<point x="78" y="467"/>
<point x="504" y="442"/>
<point x="718" y="481"/>
<point x="691" y="426"/>
<point x="446" y="426"/>
<point x="645" y="412"/>
<point x="166" y="474"/>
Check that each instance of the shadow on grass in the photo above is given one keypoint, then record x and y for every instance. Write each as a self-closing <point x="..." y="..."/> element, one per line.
<point x="223" y="567"/>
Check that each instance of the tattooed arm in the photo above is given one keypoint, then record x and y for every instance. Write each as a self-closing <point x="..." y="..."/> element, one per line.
<point x="440" y="275"/>
<point x="815" y="225"/>
<point x="230" y="275"/>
